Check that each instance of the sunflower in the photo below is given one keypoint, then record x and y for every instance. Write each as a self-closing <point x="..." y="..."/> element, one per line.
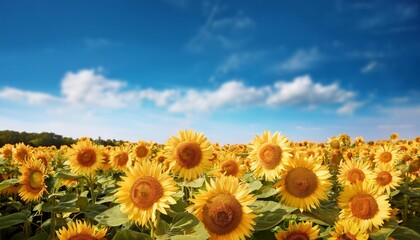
<point x="80" y="230"/>
<point x="140" y="151"/>
<point x="295" y="231"/>
<point x="190" y="154"/>
<point x="352" y="171"/>
<point x="304" y="182"/>
<point x="386" y="178"/>
<point x="106" y="158"/>
<point x="269" y="153"/>
<point x="22" y="152"/>
<point x="85" y="157"/>
<point x="386" y="154"/>
<point x="7" y="151"/>
<point x="345" y="230"/>
<point x="224" y="209"/>
<point x="144" y="190"/>
<point x="120" y="157"/>
<point x="363" y="206"/>
<point x="229" y="165"/>
<point x="32" y="180"/>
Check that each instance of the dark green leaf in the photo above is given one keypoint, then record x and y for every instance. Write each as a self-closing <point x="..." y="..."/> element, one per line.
<point x="128" y="234"/>
<point x="39" y="236"/>
<point x="93" y="210"/>
<point x="403" y="233"/>
<point x="384" y="232"/>
<point x="13" y="219"/>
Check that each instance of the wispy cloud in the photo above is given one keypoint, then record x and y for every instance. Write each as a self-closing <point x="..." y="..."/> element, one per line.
<point x="302" y="91"/>
<point x="388" y="15"/>
<point x="98" y="43"/>
<point x="371" y="66"/>
<point x="89" y="88"/>
<point x="238" y="60"/>
<point x="221" y="32"/>
<point x="302" y="59"/>
<point x="349" y="108"/>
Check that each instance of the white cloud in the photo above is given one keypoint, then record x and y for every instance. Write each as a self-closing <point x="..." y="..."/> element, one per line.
<point x="88" y="87"/>
<point x="232" y="93"/>
<point x="371" y="66"/>
<point x="302" y="59"/>
<point x="17" y="95"/>
<point x="302" y="91"/>
<point x="349" y="108"/>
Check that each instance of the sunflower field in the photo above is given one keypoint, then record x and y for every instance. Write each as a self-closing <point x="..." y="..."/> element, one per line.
<point x="190" y="188"/>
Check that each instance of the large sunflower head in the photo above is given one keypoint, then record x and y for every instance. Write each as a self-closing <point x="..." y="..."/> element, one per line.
<point x="120" y="157"/>
<point x="32" y="180"/>
<point x="85" y="157"/>
<point x="144" y="190"/>
<point x="81" y="230"/>
<point x="386" y="154"/>
<point x="224" y="209"/>
<point x="346" y="230"/>
<point x="22" y="152"/>
<point x="363" y="206"/>
<point x="269" y="153"/>
<point x="304" y="182"/>
<point x="299" y="231"/>
<point x="386" y="178"/>
<point x="352" y="171"/>
<point x="189" y="153"/>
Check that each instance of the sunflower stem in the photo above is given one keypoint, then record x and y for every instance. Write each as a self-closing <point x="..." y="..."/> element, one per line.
<point x="92" y="189"/>
<point x="152" y="230"/>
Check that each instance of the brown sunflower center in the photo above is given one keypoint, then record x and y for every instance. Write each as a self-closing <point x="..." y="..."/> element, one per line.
<point x="43" y="159"/>
<point x="7" y="153"/>
<point x="145" y="192"/>
<point x="22" y="154"/>
<point x="347" y="236"/>
<point x="385" y="157"/>
<point x="222" y="213"/>
<point x="122" y="158"/>
<point x="141" y="151"/>
<point x="297" y="235"/>
<point x="86" y="157"/>
<point x="188" y="154"/>
<point x="36" y="179"/>
<point x="383" y="178"/>
<point x="270" y="155"/>
<point x="82" y="236"/>
<point x="230" y="168"/>
<point x="355" y="175"/>
<point x="364" y="206"/>
<point x="301" y="182"/>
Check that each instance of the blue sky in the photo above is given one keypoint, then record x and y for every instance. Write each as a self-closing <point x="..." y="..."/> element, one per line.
<point x="231" y="69"/>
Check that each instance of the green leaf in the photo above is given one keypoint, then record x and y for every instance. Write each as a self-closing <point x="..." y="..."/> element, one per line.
<point x="403" y="233"/>
<point x="112" y="217"/>
<point x="128" y="234"/>
<point x="106" y="199"/>
<point x="194" y="183"/>
<point x="67" y="176"/>
<point x="95" y="209"/>
<point x="39" y="236"/>
<point x="326" y="212"/>
<point x="184" y="226"/>
<point x="14" y="218"/>
<point x="266" y="191"/>
<point x="270" y="214"/>
<point x="7" y="183"/>
<point x="255" y="185"/>
<point x="384" y="232"/>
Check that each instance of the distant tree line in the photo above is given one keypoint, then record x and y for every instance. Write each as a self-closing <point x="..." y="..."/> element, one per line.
<point x="44" y="139"/>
